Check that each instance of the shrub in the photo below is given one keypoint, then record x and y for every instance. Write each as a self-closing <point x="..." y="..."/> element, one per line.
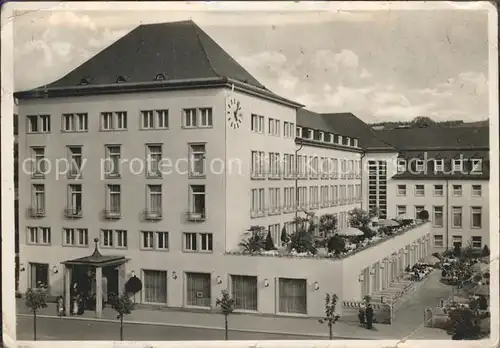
<point x="485" y="252"/>
<point x="423" y="215"/>
<point x="269" y="245"/>
<point x="302" y="241"/>
<point x="284" y="236"/>
<point x="255" y="240"/>
<point x="336" y="244"/>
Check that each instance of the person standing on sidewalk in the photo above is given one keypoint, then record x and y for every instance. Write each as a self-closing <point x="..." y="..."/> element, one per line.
<point x="369" y="317"/>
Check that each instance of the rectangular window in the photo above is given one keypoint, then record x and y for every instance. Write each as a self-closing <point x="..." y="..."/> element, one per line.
<point x="438" y="241"/>
<point x="274" y="200"/>
<point x="121" y="238"/>
<point x="438" y="190"/>
<point x="401" y="210"/>
<point x="457" y="241"/>
<point x="477" y="242"/>
<point x="75" y="122"/>
<point x="457" y="165"/>
<point x="121" y="120"/>
<point x="258" y="164"/>
<point x="198" y="242"/>
<point x="401" y="165"/>
<point x="258" y="202"/>
<point x="154" y="203"/>
<point x="456" y="221"/>
<point x="197" y="159"/>
<point x="257" y="124"/>
<point x="244" y="292"/>
<point x="292" y="295"/>
<point x="106" y="121"/>
<point x="38" y="275"/>
<point x="107" y="238"/>
<point x="147" y="240"/>
<point x="75" y="237"/>
<point x="198" y="288"/>
<point x="477" y="217"/>
<point x="161" y="241"/>
<point x="75" y="154"/>
<point x="38" y="123"/>
<point x="419" y="190"/>
<point x="206" y="117"/>
<point x="162" y="121"/>
<point x="438" y="165"/>
<point x="457" y="190"/>
<point x="275" y="234"/>
<point x="147" y="119"/>
<point x="197" y="201"/>
<point x="155" y="286"/>
<point x="477" y="166"/>
<point x="38" y="203"/>
<point x="190" y="118"/>
<point x="113" y="161"/>
<point x="75" y="199"/>
<point x="477" y="191"/>
<point x="38" y="162"/>
<point x="437" y="216"/>
<point x="114" y="198"/>
<point x="154" y="160"/>
<point x="401" y="190"/>
<point x="38" y="235"/>
<point x="419" y="166"/>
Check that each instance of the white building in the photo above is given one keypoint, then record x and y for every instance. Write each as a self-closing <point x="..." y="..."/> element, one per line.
<point x="104" y="155"/>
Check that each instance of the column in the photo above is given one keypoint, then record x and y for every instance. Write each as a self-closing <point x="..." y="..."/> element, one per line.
<point x="121" y="279"/>
<point x="67" y="290"/>
<point x="98" y="292"/>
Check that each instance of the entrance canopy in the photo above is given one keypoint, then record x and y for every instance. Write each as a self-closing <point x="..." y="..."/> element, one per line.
<point x="96" y="259"/>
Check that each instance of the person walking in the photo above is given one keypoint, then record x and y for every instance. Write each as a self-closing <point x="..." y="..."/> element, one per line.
<point x="361" y="316"/>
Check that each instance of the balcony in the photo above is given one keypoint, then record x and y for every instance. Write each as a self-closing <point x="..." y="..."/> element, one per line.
<point x="274" y="175"/>
<point x="36" y="212"/>
<point x="196" y="216"/>
<point x="275" y="211"/>
<point x="152" y="215"/>
<point x="38" y="175"/>
<point x="258" y="175"/>
<point x="289" y="175"/>
<point x="257" y="213"/>
<point x="73" y="213"/>
<point x="74" y="173"/>
<point x="112" y="214"/>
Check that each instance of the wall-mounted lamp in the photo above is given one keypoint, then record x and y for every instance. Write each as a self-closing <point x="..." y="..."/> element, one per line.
<point x="218" y="280"/>
<point x="174" y="275"/>
<point x="55" y="270"/>
<point x="266" y="283"/>
<point x="316" y="286"/>
<point x="361" y="278"/>
<point x="372" y="272"/>
<point x="132" y="274"/>
<point x="381" y="266"/>
<point x="21" y="267"/>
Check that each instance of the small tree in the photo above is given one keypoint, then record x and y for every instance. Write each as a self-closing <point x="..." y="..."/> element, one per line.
<point x="331" y="317"/>
<point x="284" y="237"/>
<point x="336" y="244"/>
<point x="35" y="299"/>
<point x="122" y="305"/>
<point x="423" y="215"/>
<point x="485" y="252"/>
<point x="457" y="251"/>
<point x="226" y="304"/>
<point x="327" y="224"/>
<point x="302" y="241"/>
<point x="269" y="242"/>
<point x="255" y="240"/>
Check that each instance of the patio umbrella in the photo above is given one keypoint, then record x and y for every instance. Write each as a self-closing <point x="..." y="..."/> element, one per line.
<point x="480" y="267"/>
<point x="388" y="223"/>
<point x="482" y="290"/>
<point x="431" y="260"/>
<point x="350" y="232"/>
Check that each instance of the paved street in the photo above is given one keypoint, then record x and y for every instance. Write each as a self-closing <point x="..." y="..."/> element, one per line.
<point x="61" y="329"/>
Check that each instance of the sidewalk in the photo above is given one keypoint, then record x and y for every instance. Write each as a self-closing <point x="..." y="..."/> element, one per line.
<point x="250" y="323"/>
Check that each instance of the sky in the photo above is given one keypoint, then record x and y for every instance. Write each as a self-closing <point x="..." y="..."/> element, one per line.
<point x="380" y="65"/>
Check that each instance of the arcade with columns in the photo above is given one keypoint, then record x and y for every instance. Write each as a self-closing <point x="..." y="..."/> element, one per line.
<point x="390" y="270"/>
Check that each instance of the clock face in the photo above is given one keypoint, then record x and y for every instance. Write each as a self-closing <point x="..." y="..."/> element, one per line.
<point x="233" y="112"/>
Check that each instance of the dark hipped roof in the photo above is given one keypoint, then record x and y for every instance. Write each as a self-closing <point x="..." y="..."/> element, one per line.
<point x="180" y="51"/>
<point x="349" y="125"/>
<point x="436" y="137"/>
<point x="313" y="120"/>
